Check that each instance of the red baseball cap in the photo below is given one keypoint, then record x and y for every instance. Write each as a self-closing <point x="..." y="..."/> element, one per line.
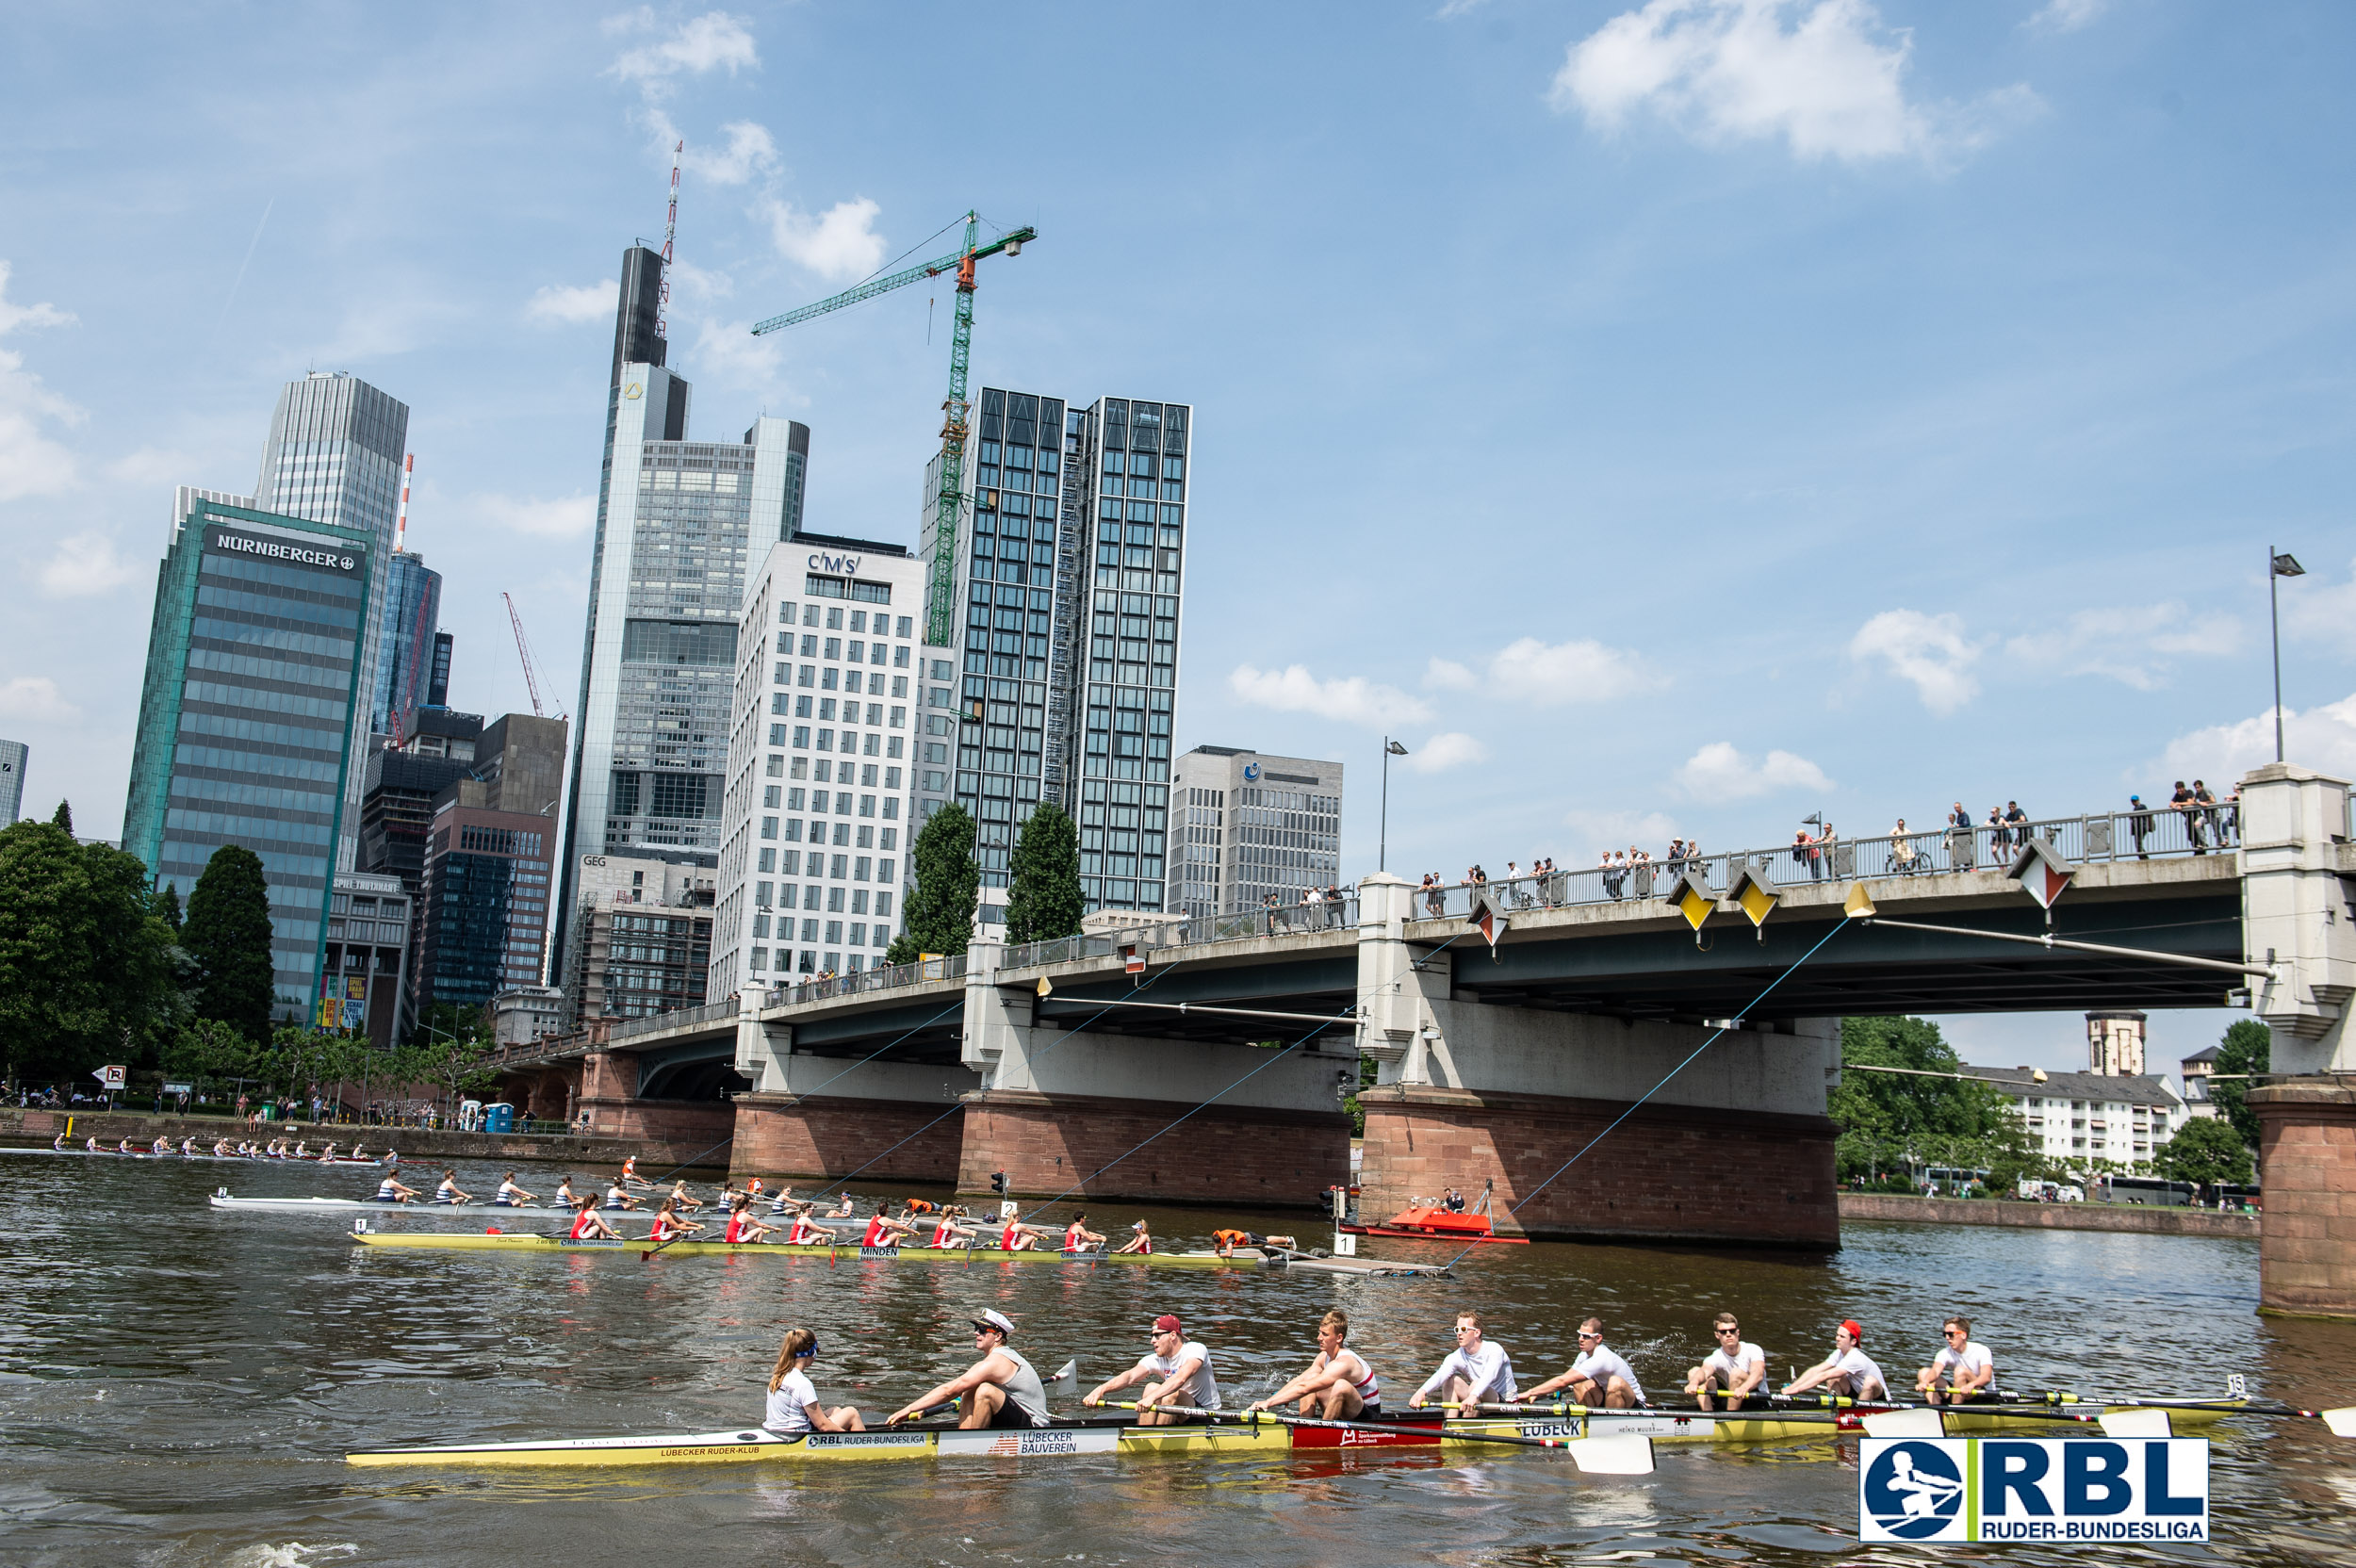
<point x="1857" y="1330"/>
<point x="1165" y="1324"/>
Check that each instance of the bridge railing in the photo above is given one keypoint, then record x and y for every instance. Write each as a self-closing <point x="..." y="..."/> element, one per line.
<point x="678" y="1018"/>
<point x="1333" y="914"/>
<point x="860" y="982"/>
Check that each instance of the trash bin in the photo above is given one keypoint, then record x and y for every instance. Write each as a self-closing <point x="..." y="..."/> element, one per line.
<point x="499" y="1119"/>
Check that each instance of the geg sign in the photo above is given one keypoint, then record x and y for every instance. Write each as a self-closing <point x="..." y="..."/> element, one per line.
<point x="2072" y="1489"/>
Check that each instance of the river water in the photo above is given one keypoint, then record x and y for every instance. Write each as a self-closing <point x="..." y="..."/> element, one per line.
<point x="178" y="1387"/>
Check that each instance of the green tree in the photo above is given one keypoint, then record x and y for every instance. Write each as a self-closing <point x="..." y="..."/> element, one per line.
<point x="227" y="933"/>
<point x="2247" y="1047"/>
<point x="209" y="1050"/>
<point x="63" y="817"/>
<point x="1043" y="899"/>
<point x="2207" y="1149"/>
<point x="939" y="916"/>
<point x="1884" y="1117"/>
<point x="168" y="907"/>
<point x="456" y="1068"/>
<point x="88" y="974"/>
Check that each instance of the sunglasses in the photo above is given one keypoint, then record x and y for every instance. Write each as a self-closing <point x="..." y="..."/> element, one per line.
<point x="1584" y="1335"/>
<point x="1729" y="1330"/>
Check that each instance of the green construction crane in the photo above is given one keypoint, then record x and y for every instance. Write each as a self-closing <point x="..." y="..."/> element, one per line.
<point x="941" y="608"/>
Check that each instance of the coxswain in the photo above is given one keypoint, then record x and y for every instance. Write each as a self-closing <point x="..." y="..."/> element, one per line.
<point x="629" y="1174"/>
<point x="1847" y="1371"/>
<point x="448" y="1192"/>
<point x="1339" y="1385"/>
<point x="589" y="1226"/>
<point x="1140" y="1241"/>
<point x="389" y="1190"/>
<point x="947" y="1232"/>
<point x="794" y="1406"/>
<point x="742" y="1228"/>
<point x="1077" y="1237"/>
<point x="884" y="1231"/>
<point x="511" y="1196"/>
<point x="669" y="1225"/>
<point x="1477" y="1370"/>
<point x="1019" y="1237"/>
<point x="843" y="1210"/>
<point x="1962" y="1370"/>
<point x="1735" y="1365"/>
<point x="618" y="1197"/>
<point x="1177" y="1371"/>
<point x="1600" y="1379"/>
<point x="1001" y="1390"/>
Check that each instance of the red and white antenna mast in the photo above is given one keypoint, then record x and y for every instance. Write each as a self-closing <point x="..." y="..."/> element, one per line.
<point x="401" y="520"/>
<point x="670" y="231"/>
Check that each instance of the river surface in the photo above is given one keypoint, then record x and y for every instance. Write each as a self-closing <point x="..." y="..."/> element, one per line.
<point x="178" y="1386"/>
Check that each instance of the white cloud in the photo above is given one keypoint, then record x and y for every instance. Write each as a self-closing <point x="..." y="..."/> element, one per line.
<point x="747" y="150"/>
<point x="727" y="355"/>
<point x="2321" y="737"/>
<point x="2130" y="644"/>
<point x="1602" y="830"/>
<point x="85" y="565"/>
<point x="2325" y="611"/>
<point x="31" y="463"/>
<point x="1351" y="700"/>
<point x="841" y="242"/>
<point x="558" y="301"/>
<point x="1928" y="650"/>
<point x="713" y="41"/>
<point x="35" y="697"/>
<point x="1452" y="749"/>
<point x="1830" y="85"/>
<point x="563" y="517"/>
<point x="2066" y="16"/>
<point x="1547" y="674"/>
<point x="1719" y="773"/>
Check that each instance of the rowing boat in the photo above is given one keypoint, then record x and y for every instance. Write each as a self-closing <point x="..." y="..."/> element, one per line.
<point x="175" y="1155"/>
<point x="222" y="1200"/>
<point x="526" y="1243"/>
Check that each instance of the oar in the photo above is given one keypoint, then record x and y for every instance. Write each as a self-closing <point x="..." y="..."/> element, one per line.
<point x="2341" y="1422"/>
<point x="1594" y="1455"/>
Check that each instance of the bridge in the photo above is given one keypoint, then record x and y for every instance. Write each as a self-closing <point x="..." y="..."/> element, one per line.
<point x="1204" y="1060"/>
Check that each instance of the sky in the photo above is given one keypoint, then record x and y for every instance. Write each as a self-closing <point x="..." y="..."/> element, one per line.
<point x="1674" y="418"/>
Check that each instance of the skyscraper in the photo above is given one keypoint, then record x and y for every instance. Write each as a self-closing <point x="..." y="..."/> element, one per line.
<point x="407" y="641"/>
<point x="1063" y="679"/>
<point x="247" y="712"/>
<point x="677" y="523"/>
<point x="333" y="456"/>
<point x="1244" y="825"/>
<point x="13" y="756"/>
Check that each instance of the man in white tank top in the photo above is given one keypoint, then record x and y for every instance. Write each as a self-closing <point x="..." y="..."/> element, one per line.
<point x="1001" y="1390"/>
<point x="1962" y="1370"/>
<point x="1339" y="1385"/>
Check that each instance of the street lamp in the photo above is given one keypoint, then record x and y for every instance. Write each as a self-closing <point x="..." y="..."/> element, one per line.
<point x="2278" y="566"/>
<point x="1383" y="838"/>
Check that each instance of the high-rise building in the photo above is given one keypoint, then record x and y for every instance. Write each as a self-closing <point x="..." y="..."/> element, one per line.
<point x="678" y="521"/>
<point x="641" y="936"/>
<point x="485" y="912"/>
<point x="248" y="711"/>
<point x="12" y="759"/>
<point x="1063" y="674"/>
<point x="1245" y="826"/>
<point x="437" y="683"/>
<point x="407" y="641"/>
<point x="362" y="982"/>
<point x="333" y="456"/>
<point x="520" y="758"/>
<point x="818" y="783"/>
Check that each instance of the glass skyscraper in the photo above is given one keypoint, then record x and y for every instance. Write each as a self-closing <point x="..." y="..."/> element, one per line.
<point x="1064" y="676"/>
<point x="246" y="714"/>
<point x="677" y="522"/>
<point x="407" y="641"/>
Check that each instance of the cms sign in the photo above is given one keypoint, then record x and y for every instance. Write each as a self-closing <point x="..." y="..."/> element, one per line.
<point x="839" y="565"/>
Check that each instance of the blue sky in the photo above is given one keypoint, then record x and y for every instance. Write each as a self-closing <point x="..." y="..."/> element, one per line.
<point x="1667" y="418"/>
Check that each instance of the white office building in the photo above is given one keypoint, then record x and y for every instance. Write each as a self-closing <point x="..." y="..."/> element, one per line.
<point x="815" y="817"/>
<point x="1246" y="828"/>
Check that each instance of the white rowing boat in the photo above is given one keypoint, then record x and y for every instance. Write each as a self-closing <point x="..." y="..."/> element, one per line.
<point x="175" y="1155"/>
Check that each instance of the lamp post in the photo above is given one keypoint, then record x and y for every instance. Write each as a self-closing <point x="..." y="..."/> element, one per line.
<point x="2278" y="566"/>
<point x="1382" y="837"/>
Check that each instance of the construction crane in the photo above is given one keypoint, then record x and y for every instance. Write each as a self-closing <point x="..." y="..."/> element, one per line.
<point x="940" y="590"/>
<point x="523" y="651"/>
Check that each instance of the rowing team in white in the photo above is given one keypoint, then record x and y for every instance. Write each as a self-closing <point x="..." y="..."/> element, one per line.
<point x="1175" y="1383"/>
<point x="277" y="1148"/>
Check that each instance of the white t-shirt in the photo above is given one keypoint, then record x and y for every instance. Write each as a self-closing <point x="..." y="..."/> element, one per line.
<point x="1488" y="1371"/>
<point x="789" y="1402"/>
<point x="1745" y="1355"/>
<point x="1973" y="1359"/>
<point x="1202" y="1390"/>
<point x="1601" y="1364"/>
<point x="1863" y="1375"/>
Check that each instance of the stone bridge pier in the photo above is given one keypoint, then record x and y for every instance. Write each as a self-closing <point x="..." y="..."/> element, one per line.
<point x="830" y="1116"/>
<point x="1091" y="1113"/>
<point x="1735" y="1148"/>
<point x="609" y="1094"/>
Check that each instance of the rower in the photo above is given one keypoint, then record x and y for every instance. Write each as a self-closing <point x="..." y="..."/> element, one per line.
<point x="794" y="1406"/>
<point x="588" y="1226"/>
<point x="161" y="1146"/>
<point x="327" y="1154"/>
<point x="1140" y="1241"/>
<point x="389" y="1190"/>
<point x="669" y="1225"/>
<point x="884" y="1231"/>
<point x="1001" y="1390"/>
<point x="1177" y="1370"/>
<point x="947" y="1232"/>
<point x="58" y="1143"/>
<point x="1600" y="1378"/>
<point x="1476" y="1370"/>
<point x="618" y="1197"/>
<point x="188" y="1147"/>
<point x="807" y="1231"/>
<point x="684" y="1200"/>
<point x="1963" y="1365"/>
<point x="742" y="1228"/>
<point x="124" y="1148"/>
<point x="89" y="1146"/>
<point x="919" y="1206"/>
<point x="510" y="1196"/>
<point x="565" y="1197"/>
<point x="1735" y="1365"/>
<point x="1848" y="1370"/>
<point x="448" y="1192"/>
<point x="1339" y="1385"/>
<point x="222" y="1148"/>
<point x="1077" y="1237"/>
<point x="301" y="1151"/>
<point x="1019" y="1237"/>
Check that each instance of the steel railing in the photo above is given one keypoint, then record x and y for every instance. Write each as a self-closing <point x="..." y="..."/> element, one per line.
<point x="1333" y="914"/>
<point x="860" y="982"/>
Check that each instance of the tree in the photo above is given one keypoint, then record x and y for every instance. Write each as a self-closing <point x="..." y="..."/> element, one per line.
<point x="1043" y="901"/>
<point x="168" y="907"/>
<point x="86" y="971"/>
<point x="939" y="916"/>
<point x="63" y="817"/>
<point x="1885" y="1116"/>
<point x="456" y="1066"/>
<point x="2207" y="1149"/>
<point x="227" y="932"/>
<point x="209" y="1049"/>
<point x="2247" y="1047"/>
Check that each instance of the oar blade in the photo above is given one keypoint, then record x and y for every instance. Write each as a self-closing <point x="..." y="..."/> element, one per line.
<point x="1066" y="1382"/>
<point x="1620" y="1455"/>
<point x="2136" y="1423"/>
<point x="1906" y="1423"/>
<point x="2342" y="1422"/>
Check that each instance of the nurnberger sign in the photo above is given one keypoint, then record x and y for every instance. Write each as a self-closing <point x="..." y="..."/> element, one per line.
<point x="347" y="560"/>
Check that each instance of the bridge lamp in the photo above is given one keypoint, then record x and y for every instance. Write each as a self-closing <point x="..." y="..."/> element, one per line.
<point x="1382" y="837"/>
<point x="2285" y="564"/>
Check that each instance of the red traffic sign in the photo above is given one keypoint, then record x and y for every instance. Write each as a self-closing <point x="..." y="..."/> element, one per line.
<point x="113" y="1077"/>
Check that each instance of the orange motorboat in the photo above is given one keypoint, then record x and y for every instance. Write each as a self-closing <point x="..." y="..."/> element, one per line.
<point x="1434" y="1220"/>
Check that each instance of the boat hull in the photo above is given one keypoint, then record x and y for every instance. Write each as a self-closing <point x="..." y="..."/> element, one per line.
<point x="447" y="1242"/>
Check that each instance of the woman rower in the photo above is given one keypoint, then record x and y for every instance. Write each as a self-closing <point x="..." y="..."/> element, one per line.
<point x="684" y="1200"/>
<point x="511" y="1196"/>
<point x="947" y="1232"/>
<point x="742" y="1228"/>
<point x="448" y="1192"/>
<point x="1019" y="1237"/>
<point x="389" y="1190"/>
<point x="221" y="1147"/>
<point x="669" y="1226"/>
<point x="301" y="1151"/>
<point x="161" y="1146"/>
<point x="565" y="1197"/>
<point x="1077" y="1237"/>
<point x="843" y="1210"/>
<point x="806" y="1232"/>
<point x="188" y="1147"/>
<point x="794" y="1406"/>
<point x="58" y="1143"/>
<point x="588" y="1227"/>
<point x="1141" y="1243"/>
<point x="618" y="1197"/>
<point x="884" y="1231"/>
<point x="124" y="1148"/>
